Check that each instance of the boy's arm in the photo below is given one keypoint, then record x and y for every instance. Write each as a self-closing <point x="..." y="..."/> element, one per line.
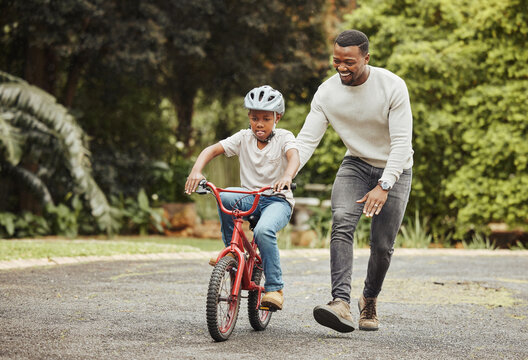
<point x="293" y="165"/>
<point x="196" y="175"/>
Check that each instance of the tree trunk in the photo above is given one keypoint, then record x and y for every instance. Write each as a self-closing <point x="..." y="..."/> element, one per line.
<point x="35" y="64"/>
<point x="184" y="103"/>
<point x="41" y="68"/>
<point x="74" y="74"/>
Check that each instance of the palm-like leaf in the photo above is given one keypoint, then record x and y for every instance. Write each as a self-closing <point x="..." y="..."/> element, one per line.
<point x="33" y="109"/>
<point x="32" y="181"/>
<point x="10" y="140"/>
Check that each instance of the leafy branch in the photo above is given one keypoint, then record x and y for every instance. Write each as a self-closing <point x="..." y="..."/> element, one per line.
<point x="24" y="108"/>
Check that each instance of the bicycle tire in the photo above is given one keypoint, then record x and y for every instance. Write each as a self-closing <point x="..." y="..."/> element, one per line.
<point x="222" y="309"/>
<point x="259" y="319"/>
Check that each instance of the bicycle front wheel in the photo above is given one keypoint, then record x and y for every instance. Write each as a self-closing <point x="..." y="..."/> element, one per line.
<point x="222" y="307"/>
<point x="258" y="319"/>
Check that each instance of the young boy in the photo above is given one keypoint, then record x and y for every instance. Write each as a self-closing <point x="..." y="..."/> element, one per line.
<point x="268" y="156"/>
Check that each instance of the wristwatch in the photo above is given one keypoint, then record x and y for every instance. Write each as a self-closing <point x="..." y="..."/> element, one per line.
<point x="384" y="185"/>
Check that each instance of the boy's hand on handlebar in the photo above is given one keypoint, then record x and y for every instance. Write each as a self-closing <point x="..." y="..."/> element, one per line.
<point x="282" y="183"/>
<point x="192" y="182"/>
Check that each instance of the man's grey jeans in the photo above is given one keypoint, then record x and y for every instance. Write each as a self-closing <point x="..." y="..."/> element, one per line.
<point x="354" y="179"/>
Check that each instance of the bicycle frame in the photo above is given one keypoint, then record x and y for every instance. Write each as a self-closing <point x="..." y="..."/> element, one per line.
<point x="239" y="241"/>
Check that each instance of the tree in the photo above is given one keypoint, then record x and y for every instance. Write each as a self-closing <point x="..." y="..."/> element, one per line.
<point x="61" y="47"/>
<point x="465" y="64"/>
<point x="227" y="47"/>
<point x="113" y="63"/>
<point x="33" y="125"/>
<point x="50" y="44"/>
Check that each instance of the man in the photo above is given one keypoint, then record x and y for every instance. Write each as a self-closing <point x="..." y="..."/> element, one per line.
<point x="369" y="108"/>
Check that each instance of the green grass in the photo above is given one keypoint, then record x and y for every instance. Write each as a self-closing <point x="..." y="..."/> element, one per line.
<point x="44" y="248"/>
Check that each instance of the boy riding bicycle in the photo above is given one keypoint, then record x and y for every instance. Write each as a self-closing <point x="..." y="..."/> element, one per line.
<point x="267" y="156"/>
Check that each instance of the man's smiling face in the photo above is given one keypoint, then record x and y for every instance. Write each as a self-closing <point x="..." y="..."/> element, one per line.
<point x="351" y="64"/>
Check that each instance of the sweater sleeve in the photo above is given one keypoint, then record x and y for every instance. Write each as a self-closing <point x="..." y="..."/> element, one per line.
<point x="400" y="131"/>
<point x="312" y="131"/>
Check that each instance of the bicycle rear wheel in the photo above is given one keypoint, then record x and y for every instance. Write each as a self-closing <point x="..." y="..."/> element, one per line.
<point x="258" y="319"/>
<point x="222" y="307"/>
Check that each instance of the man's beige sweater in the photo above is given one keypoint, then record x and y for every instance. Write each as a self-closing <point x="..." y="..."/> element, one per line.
<point x="374" y="121"/>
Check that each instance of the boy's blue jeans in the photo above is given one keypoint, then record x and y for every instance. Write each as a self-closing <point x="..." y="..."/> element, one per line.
<point x="354" y="179"/>
<point x="274" y="214"/>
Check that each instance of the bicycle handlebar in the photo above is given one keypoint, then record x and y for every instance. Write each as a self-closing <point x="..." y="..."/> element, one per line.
<point x="203" y="189"/>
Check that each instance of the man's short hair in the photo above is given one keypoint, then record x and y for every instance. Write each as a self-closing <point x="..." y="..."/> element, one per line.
<point x="353" y="38"/>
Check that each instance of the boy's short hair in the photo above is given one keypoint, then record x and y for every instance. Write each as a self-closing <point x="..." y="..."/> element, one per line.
<point x="353" y="38"/>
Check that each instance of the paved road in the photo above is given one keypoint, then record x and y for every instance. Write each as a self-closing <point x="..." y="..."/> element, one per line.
<point x="471" y="305"/>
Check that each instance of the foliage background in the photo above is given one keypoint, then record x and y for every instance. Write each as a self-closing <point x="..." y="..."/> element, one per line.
<point x="465" y="65"/>
<point x="152" y="82"/>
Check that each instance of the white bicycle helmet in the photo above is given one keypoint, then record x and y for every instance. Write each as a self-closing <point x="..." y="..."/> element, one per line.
<point x="265" y="98"/>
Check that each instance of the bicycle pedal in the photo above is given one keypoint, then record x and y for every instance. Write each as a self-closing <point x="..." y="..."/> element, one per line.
<point x="266" y="308"/>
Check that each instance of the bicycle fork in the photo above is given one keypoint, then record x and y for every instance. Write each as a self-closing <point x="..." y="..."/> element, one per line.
<point x="245" y="266"/>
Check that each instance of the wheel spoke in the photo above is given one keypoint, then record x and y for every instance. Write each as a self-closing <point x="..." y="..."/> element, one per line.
<point x="225" y="301"/>
<point x="222" y="306"/>
<point x="258" y="318"/>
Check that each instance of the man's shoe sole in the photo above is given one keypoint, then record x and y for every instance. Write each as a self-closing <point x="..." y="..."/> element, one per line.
<point x="368" y="329"/>
<point x="329" y="318"/>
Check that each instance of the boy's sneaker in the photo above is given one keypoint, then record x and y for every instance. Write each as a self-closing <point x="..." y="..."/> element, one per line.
<point x="335" y="315"/>
<point x="368" y="318"/>
<point x="273" y="299"/>
<point x="212" y="261"/>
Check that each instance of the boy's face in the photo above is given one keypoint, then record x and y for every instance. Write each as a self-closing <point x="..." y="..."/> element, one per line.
<point x="262" y="123"/>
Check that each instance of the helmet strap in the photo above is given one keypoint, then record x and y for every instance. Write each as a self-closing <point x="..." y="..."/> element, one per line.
<point x="267" y="140"/>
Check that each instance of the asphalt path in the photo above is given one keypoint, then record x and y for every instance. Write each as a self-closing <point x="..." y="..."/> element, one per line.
<point x="434" y="305"/>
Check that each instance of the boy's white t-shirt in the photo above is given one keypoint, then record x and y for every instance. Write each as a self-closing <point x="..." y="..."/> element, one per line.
<point x="261" y="167"/>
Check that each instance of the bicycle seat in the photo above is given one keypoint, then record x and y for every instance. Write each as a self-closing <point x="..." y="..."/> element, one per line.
<point x="253" y="220"/>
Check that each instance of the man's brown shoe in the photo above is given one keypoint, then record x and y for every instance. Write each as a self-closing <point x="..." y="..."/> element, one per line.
<point x="212" y="261"/>
<point x="368" y="318"/>
<point x="335" y="315"/>
<point x="273" y="299"/>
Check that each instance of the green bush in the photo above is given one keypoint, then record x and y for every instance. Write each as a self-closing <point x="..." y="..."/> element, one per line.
<point x="64" y="221"/>
<point x="69" y="219"/>
<point x="25" y="225"/>
<point x="7" y="224"/>
<point x="414" y="233"/>
<point x="479" y="241"/>
<point x="465" y="65"/>
<point x="321" y="222"/>
<point x="168" y="180"/>
<point x="138" y="216"/>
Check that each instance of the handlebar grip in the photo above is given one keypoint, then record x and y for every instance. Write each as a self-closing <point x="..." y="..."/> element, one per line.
<point x="293" y="186"/>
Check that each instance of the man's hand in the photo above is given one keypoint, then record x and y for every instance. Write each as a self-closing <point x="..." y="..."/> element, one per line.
<point x="192" y="182"/>
<point x="286" y="180"/>
<point x="374" y="201"/>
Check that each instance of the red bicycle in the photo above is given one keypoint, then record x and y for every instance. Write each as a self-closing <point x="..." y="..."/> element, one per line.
<point x="238" y="267"/>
